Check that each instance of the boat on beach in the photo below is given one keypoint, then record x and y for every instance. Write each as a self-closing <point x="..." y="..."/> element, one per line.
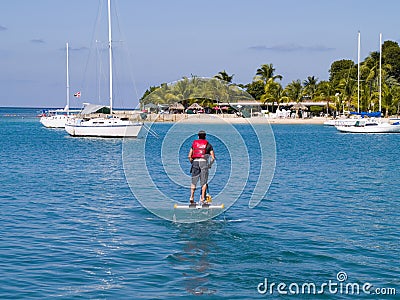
<point x="90" y="124"/>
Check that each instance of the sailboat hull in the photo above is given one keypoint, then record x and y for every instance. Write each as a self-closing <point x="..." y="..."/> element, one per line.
<point x="103" y="127"/>
<point x="341" y="122"/>
<point x="57" y="121"/>
<point x="378" y="128"/>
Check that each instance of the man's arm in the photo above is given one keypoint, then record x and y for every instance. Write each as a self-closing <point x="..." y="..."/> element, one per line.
<point x="212" y="158"/>
<point x="212" y="154"/>
<point x="190" y="154"/>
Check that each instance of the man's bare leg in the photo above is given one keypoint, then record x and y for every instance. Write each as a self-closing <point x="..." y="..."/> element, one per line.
<point x="192" y="190"/>
<point x="203" y="192"/>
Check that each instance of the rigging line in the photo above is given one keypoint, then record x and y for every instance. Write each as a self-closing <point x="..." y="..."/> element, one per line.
<point x="84" y="84"/>
<point x="151" y="131"/>
<point x="116" y="90"/>
<point x="115" y="58"/>
<point x="117" y="82"/>
<point x="101" y="75"/>
<point x="129" y="58"/>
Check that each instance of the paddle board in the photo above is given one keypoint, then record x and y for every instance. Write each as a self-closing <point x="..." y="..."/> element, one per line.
<point x="199" y="206"/>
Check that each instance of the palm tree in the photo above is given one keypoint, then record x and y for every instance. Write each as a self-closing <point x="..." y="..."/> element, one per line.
<point x="223" y="75"/>
<point x="294" y="90"/>
<point x="310" y="86"/>
<point x="145" y="100"/>
<point x="266" y="72"/>
<point x="273" y="91"/>
<point x="390" y="93"/>
<point x="347" y="88"/>
<point x="216" y="89"/>
<point x="325" y="91"/>
<point x="183" y="89"/>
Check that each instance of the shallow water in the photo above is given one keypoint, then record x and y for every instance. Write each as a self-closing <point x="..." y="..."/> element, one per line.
<point x="71" y="227"/>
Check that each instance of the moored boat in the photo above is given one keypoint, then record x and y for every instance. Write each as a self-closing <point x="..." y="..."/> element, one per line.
<point x="54" y="118"/>
<point x="341" y="122"/>
<point x="57" y="118"/>
<point x="107" y="125"/>
<point x="374" y="124"/>
<point x="371" y="126"/>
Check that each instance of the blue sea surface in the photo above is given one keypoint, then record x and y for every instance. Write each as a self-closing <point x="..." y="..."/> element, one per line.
<point x="72" y="229"/>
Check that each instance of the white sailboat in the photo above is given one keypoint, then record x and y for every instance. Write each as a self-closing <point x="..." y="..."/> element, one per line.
<point x="350" y="121"/>
<point x="57" y="118"/>
<point x="373" y="125"/>
<point x="341" y="122"/>
<point x="104" y="125"/>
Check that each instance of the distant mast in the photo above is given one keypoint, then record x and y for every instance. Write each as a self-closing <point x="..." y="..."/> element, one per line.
<point x="380" y="73"/>
<point x="358" y="72"/>
<point x="110" y="55"/>
<point x="67" y="80"/>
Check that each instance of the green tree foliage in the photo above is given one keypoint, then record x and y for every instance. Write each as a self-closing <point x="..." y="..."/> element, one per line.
<point x="325" y="91"/>
<point x="391" y="56"/>
<point x="294" y="90"/>
<point x="341" y="88"/>
<point x="223" y="75"/>
<point x="205" y="91"/>
<point x="263" y="86"/>
<point x="340" y="69"/>
<point x="265" y="72"/>
<point x="148" y="92"/>
<point x="273" y="91"/>
<point x="256" y="89"/>
<point x="310" y="86"/>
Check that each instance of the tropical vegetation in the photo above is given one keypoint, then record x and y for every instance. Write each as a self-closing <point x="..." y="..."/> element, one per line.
<point x="341" y="90"/>
<point x="205" y="91"/>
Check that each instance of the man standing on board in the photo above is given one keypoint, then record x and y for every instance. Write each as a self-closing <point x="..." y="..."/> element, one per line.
<point x="201" y="156"/>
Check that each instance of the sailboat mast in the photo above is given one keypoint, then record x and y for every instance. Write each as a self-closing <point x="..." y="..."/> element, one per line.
<point x="358" y="73"/>
<point x="380" y="72"/>
<point x="110" y="56"/>
<point x="67" y="80"/>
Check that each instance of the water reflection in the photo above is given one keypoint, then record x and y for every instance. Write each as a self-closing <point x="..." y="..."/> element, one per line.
<point x="196" y="259"/>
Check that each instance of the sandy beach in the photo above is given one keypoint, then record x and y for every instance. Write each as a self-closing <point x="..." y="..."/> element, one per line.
<point x="229" y="118"/>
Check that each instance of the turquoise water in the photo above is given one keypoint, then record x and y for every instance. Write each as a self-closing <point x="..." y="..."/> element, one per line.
<point x="71" y="228"/>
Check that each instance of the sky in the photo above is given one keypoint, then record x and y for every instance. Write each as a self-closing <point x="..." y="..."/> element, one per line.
<point x="157" y="41"/>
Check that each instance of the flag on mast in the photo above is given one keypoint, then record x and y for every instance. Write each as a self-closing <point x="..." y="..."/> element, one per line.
<point x="77" y="94"/>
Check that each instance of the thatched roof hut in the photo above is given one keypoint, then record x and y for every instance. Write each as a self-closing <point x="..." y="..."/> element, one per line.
<point x="176" y="106"/>
<point x="195" y="106"/>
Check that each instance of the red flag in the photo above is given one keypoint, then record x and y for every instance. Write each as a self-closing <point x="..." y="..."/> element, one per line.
<point x="78" y="94"/>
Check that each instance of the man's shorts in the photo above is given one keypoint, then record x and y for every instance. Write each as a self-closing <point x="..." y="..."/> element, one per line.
<point x="199" y="170"/>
